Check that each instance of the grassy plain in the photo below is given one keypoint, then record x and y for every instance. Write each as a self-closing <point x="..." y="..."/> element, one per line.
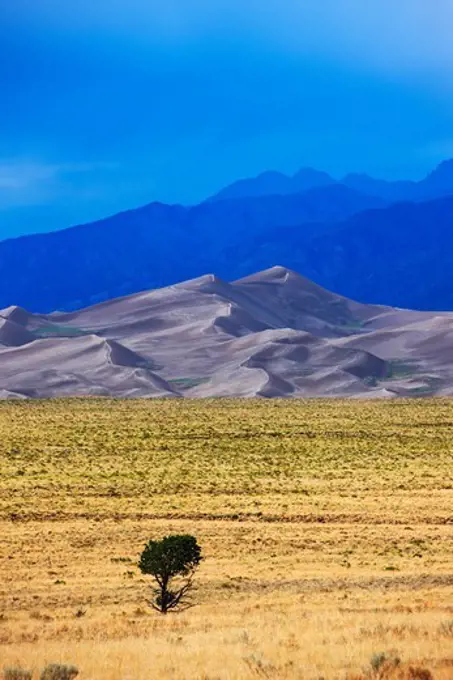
<point x="327" y="528"/>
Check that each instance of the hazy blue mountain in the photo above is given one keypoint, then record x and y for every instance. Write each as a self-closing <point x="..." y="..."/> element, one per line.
<point x="344" y="239"/>
<point x="391" y="191"/>
<point x="438" y="183"/>
<point x="271" y="182"/>
<point x="401" y="255"/>
<point x="153" y="246"/>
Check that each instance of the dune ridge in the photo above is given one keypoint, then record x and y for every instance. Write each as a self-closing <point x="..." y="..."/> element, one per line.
<point x="272" y="334"/>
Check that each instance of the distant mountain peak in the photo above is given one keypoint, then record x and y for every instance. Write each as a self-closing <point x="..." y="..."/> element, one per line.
<point x="436" y="184"/>
<point x="312" y="172"/>
<point x="442" y="175"/>
<point x="273" y="182"/>
<point x="448" y="163"/>
<point x="269" y="174"/>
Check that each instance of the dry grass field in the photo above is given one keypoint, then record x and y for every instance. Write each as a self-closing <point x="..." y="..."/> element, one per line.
<point x="326" y="526"/>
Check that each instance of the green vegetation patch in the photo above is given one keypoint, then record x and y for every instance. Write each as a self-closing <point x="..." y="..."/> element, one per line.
<point x="60" y="331"/>
<point x="187" y="383"/>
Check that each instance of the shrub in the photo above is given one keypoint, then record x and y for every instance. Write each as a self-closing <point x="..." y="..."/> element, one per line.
<point x="16" y="674"/>
<point x="377" y="660"/>
<point x="416" y="673"/>
<point x="56" y="671"/>
<point x="172" y="563"/>
<point x="446" y="628"/>
<point x="383" y="665"/>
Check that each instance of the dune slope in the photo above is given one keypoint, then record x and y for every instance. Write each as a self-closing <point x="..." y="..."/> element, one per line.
<point x="272" y="334"/>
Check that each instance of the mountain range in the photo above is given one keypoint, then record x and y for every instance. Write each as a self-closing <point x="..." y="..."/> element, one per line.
<point x="401" y="255"/>
<point x="271" y="334"/>
<point x="274" y="183"/>
<point x="436" y="184"/>
<point x="154" y="246"/>
<point x="371" y="240"/>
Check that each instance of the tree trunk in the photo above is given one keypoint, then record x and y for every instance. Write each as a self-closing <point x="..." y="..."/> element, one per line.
<point x="163" y="597"/>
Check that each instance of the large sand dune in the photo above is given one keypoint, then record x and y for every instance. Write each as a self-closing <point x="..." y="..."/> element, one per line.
<point x="271" y="334"/>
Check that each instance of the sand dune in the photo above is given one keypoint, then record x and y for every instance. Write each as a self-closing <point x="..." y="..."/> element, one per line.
<point x="12" y="334"/>
<point x="86" y="365"/>
<point x="273" y="334"/>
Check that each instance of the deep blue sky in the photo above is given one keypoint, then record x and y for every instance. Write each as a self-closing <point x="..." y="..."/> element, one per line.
<point x="109" y="104"/>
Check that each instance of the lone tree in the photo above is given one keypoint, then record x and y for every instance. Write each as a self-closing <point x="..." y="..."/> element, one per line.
<point x="172" y="563"/>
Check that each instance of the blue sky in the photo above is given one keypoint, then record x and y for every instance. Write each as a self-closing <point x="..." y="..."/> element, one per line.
<point x="110" y="104"/>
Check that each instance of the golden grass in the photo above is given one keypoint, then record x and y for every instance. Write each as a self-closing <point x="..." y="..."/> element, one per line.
<point x="327" y="528"/>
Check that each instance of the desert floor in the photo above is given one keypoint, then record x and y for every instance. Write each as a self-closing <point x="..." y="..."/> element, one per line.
<point x="326" y="528"/>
